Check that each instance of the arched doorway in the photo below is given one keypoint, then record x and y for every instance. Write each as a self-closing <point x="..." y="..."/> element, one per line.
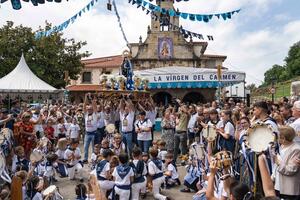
<point x="194" y="97"/>
<point x="162" y="98"/>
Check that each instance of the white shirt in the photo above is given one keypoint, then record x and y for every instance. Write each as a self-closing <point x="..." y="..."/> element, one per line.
<point x="91" y="122"/>
<point x="74" y="130"/>
<point x="126" y="121"/>
<point x="192" y="122"/>
<point x="38" y="196"/>
<point x="39" y="126"/>
<point x="151" y="115"/>
<point x="144" y="136"/>
<point x="104" y="171"/>
<point x="60" y="154"/>
<point x="100" y="123"/>
<point x="162" y="154"/>
<point x="174" y="173"/>
<point x="153" y="169"/>
<point x="125" y="180"/>
<point x="76" y="153"/>
<point x="229" y="129"/>
<point x="296" y="126"/>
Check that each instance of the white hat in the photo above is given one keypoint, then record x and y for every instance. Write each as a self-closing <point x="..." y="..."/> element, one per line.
<point x="297" y="105"/>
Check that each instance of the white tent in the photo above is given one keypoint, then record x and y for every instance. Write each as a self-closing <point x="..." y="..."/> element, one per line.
<point x="22" y="79"/>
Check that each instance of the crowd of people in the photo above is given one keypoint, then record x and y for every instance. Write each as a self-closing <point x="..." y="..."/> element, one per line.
<point x="128" y="161"/>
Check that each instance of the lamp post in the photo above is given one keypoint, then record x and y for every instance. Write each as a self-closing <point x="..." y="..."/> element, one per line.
<point x="219" y="73"/>
<point x="273" y="89"/>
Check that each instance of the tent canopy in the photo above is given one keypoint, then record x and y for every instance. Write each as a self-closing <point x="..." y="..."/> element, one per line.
<point x="22" y="79"/>
<point x="189" y="77"/>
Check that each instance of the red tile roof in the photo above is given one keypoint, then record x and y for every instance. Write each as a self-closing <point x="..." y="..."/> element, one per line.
<point x="104" y="62"/>
<point x="79" y="88"/>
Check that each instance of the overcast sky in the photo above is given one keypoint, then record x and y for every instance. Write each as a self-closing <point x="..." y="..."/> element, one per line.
<point x="254" y="39"/>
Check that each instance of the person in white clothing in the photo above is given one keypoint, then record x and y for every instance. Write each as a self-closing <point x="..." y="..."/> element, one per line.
<point x="296" y="124"/>
<point x="102" y="172"/>
<point x="127" y="118"/>
<point x="143" y="128"/>
<point x="72" y="157"/>
<point x="171" y="173"/>
<point x="123" y="177"/>
<point x="155" y="170"/>
<point x="140" y="172"/>
<point x="91" y="120"/>
<point x="74" y="130"/>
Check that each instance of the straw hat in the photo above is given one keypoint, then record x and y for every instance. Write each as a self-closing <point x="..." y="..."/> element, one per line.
<point x="25" y="115"/>
<point x="62" y="144"/>
<point x="36" y="156"/>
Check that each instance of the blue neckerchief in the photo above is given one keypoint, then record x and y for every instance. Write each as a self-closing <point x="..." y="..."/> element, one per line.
<point x="123" y="170"/>
<point x="158" y="163"/>
<point x="100" y="166"/>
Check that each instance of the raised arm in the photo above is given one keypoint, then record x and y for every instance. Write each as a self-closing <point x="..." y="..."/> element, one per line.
<point x="94" y="104"/>
<point x="267" y="183"/>
<point x="130" y="105"/>
<point x="211" y="182"/>
<point x="85" y="103"/>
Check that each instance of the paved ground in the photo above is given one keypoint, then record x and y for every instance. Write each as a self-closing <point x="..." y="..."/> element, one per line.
<point x="67" y="187"/>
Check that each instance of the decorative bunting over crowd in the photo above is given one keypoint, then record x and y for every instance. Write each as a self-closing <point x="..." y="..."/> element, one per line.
<point x="184" y="32"/>
<point x="193" y="17"/>
<point x="65" y="24"/>
<point x="16" y="4"/>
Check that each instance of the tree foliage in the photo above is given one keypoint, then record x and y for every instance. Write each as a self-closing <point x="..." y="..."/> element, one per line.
<point x="48" y="57"/>
<point x="290" y="70"/>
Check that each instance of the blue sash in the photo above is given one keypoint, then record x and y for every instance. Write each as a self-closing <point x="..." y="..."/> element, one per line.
<point x="61" y="168"/>
<point x="99" y="168"/>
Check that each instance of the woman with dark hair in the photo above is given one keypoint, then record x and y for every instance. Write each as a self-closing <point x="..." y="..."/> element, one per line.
<point x="226" y="133"/>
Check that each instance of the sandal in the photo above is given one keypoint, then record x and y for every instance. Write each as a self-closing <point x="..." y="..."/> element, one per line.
<point x="185" y="190"/>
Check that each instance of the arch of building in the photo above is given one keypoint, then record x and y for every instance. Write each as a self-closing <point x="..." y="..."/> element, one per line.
<point x="194" y="97"/>
<point x="162" y="97"/>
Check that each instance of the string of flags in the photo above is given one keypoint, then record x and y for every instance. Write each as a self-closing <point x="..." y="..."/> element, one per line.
<point x="193" y="17"/>
<point x="120" y="24"/>
<point x="65" y="24"/>
<point x="186" y="33"/>
<point x="16" y="4"/>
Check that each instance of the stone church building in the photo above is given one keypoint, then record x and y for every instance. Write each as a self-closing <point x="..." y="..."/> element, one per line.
<point x="164" y="52"/>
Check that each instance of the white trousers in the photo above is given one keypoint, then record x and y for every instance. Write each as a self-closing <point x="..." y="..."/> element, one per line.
<point x="123" y="194"/>
<point x="72" y="171"/>
<point x="136" y="189"/>
<point x="106" y="185"/>
<point x="156" y="185"/>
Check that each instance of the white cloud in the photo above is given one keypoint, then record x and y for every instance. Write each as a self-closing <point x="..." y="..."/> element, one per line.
<point x="249" y="51"/>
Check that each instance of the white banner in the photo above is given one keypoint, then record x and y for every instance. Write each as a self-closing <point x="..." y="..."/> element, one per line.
<point x="207" y="76"/>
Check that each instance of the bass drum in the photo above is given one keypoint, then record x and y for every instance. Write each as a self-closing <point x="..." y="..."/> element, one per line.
<point x="209" y="133"/>
<point x="259" y="137"/>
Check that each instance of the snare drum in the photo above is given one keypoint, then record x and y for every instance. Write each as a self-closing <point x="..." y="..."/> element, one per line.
<point x="210" y="133"/>
<point x="259" y="136"/>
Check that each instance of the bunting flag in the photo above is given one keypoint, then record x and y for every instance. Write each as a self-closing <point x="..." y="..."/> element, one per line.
<point x="65" y="24"/>
<point x="188" y="16"/>
<point x="184" y="32"/>
<point x="120" y="24"/>
<point x="16" y="4"/>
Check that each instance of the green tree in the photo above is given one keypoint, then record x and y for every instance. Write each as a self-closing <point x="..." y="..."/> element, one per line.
<point x="48" y="57"/>
<point x="252" y="87"/>
<point x="293" y="61"/>
<point x="274" y="74"/>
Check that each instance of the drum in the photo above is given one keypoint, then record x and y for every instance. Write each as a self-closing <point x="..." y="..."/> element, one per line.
<point x="259" y="137"/>
<point x="52" y="193"/>
<point x="7" y="133"/>
<point x="210" y="133"/>
<point x="223" y="159"/>
<point x="36" y="156"/>
<point x="49" y="190"/>
<point x="110" y="128"/>
<point x="197" y="150"/>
